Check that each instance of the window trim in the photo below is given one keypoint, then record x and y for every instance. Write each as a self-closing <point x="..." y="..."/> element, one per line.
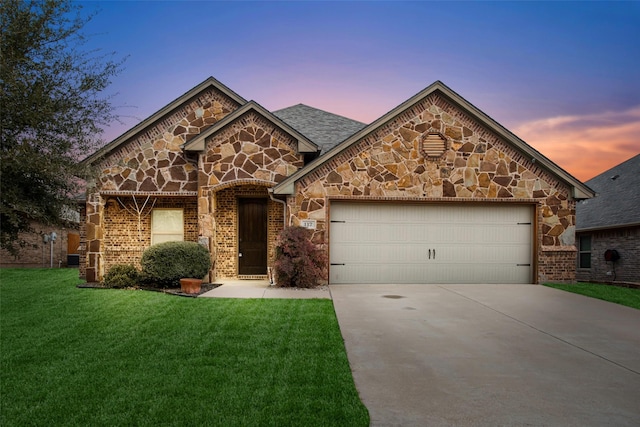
<point x="581" y="251"/>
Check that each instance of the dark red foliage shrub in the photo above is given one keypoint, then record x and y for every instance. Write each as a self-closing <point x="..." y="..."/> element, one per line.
<point x="299" y="262"/>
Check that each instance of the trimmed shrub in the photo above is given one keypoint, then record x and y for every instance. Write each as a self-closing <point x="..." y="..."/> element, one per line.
<point x="298" y="262"/>
<point x="166" y="263"/>
<point x="122" y="276"/>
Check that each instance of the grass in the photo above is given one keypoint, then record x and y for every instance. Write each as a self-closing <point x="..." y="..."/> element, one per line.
<point x="96" y="357"/>
<point x="624" y="296"/>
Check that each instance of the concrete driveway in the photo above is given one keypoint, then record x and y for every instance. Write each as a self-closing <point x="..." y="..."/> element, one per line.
<point x="490" y="355"/>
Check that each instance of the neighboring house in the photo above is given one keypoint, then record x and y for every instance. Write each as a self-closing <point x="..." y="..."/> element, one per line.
<point x="611" y="222"/>
<point x="434" y="191"/>
<point x="41" y="251"/>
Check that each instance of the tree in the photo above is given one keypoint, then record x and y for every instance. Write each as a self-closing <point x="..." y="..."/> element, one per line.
<point x="52" y="107"/>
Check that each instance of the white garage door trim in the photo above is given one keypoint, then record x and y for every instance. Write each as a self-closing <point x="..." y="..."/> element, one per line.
<point x="372" y="242"/>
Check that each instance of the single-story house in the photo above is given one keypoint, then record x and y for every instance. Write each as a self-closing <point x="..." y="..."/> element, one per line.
<point x="434" y="191"/>
<point x="608" y="226"/>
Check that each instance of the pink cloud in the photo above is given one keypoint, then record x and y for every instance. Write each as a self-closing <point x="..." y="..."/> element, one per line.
<point x="585" y="145"/>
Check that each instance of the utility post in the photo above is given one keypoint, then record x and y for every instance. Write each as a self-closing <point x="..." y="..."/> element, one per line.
<point x="50" y="238"/>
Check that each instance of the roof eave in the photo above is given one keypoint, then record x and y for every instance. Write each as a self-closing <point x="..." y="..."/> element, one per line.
<point x="607" y="227"/>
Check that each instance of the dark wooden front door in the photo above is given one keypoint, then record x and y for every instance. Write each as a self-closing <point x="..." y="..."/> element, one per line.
<point x="252" y="236"/>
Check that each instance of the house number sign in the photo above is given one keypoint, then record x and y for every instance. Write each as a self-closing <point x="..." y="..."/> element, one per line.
<point x="308" y="223"/>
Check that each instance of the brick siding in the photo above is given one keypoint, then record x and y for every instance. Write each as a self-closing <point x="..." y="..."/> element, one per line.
<point x="627" y="269"/>
<point x="226" y="223"/>
<point x="125" y="242"/>
<point x="36" y="253"/>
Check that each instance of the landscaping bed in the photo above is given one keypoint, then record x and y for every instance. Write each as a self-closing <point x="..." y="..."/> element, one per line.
<point x="205" y="287"/>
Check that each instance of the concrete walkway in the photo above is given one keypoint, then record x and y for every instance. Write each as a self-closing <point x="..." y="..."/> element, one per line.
<point x="262" y="289"/>
<point x="490" y="355"/>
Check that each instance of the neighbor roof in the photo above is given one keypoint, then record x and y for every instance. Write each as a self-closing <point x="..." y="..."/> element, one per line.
<point x="323" y="128"/>
<point x="578" y="189"/>
<point x="617" y="203"/>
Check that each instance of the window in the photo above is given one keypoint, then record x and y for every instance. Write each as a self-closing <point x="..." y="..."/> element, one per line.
<point x="167" y="225"/>
<point x="584" y="253"/>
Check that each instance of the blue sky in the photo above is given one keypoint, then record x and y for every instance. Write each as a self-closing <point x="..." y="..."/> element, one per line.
<point x="564" y="76"/>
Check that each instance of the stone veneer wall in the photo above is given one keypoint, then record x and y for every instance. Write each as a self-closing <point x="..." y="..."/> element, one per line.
<point x="242" y="160"/>
<point x="476" y="165"/>
<point x="226" y="220"/>
<point x="251" y="148"/>
<point x="152" y="162"/>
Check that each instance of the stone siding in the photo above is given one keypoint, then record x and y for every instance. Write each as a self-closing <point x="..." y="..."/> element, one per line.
<point x="241" y="160"/>
<point x="475" y="165"/>
<point x="151" y="162"/>
<point x="627" y="269"/>
<point x="250" y="149"/>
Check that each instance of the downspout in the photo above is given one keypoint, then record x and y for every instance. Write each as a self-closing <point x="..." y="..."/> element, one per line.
<point x="284" y="206"/>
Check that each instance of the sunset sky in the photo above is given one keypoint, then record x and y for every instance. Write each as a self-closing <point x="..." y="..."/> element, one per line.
<point x="564" y="77"/>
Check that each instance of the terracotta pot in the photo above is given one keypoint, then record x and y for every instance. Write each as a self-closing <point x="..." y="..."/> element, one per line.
<point x="190" y="286"/>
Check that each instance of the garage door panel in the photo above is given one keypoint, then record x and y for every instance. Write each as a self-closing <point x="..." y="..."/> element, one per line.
<point x="389" y="243"/>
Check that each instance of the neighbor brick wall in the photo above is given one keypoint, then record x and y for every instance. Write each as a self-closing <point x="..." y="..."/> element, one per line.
<point x="36" y="253"/>
<point x="627" y="269"/>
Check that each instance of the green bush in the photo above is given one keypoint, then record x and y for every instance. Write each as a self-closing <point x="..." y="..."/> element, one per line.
<point x="166" y="263"/>
<point x="299" y="262"/>
<point x="122" y="276"/>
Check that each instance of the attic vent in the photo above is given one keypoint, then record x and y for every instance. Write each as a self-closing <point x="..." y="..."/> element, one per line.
<point x="434" y="144"/>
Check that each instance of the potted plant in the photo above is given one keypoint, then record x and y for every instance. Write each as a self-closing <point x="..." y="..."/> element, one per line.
<point x="190" y="285"/>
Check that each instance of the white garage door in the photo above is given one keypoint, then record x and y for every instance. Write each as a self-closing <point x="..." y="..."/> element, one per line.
<point x="430" y="243"/>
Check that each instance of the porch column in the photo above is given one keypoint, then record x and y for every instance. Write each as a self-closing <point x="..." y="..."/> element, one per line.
<point x="207" y="225"/>
<point x="93" y="247"/>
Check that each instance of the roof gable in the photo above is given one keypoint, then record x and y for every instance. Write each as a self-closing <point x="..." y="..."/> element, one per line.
<point x="199" y="142"/>
<point x="617" y="202"/>
<point x="324" y="128"/>
<point x="164" y="112"/>
<point x="578" y="189"/>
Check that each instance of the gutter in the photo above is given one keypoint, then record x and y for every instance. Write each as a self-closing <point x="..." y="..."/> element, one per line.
<point x="284" y="206"/>
<point x="608" y="227"/>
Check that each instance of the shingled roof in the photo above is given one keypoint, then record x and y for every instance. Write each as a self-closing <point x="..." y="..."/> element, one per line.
<point x="617" y="203"/>
<point x="323" y="128"/>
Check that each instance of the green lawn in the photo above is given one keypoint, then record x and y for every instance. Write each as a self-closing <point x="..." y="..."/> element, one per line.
<point x="625" y="296"/>
<point x="95" y="357"/>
